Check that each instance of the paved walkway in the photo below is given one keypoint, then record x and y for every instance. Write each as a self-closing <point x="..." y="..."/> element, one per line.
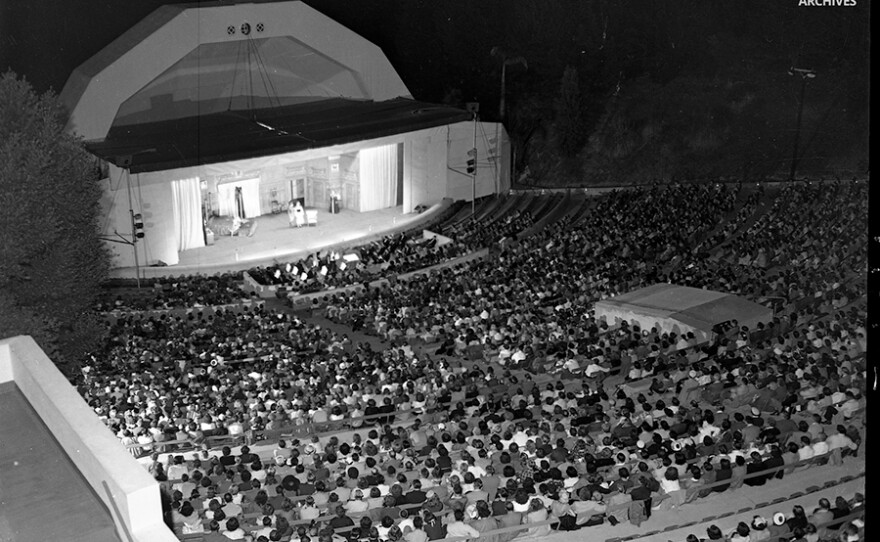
<point x="43" y="496"/>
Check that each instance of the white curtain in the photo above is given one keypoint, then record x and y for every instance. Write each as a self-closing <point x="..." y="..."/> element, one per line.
<point x="250" y="193"/>
<point x="187" y="207"/>
<point x="378" y="177"/>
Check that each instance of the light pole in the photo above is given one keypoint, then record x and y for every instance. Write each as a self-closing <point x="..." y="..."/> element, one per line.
<point x="474" y="109"/>
<point x="805" y="75"/>
<point x="505" y="61"/>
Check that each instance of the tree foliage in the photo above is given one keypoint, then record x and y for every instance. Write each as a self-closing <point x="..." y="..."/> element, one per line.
<point x="570" y="127"/>
<point x="51" y="259"/>
<point x="685" y="88"/>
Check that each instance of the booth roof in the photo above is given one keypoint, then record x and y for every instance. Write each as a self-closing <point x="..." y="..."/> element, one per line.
<point x="240" y="134"/>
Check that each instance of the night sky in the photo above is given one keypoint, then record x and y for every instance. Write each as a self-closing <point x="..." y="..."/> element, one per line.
<point x="710" y="77"/>
<point x="448" y="41"/>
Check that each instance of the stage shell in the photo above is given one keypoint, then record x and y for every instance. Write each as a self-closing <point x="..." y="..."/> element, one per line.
<point x="294" y="108"/>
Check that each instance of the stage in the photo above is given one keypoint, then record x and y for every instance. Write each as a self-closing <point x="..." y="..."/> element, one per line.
<point x="274" y="239"/>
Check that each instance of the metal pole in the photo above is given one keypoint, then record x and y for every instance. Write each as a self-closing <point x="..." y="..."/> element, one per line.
<point x="137" y="267"/>
<point x="474" y="194"/>
<point x="512" y="164"/>
<point x="496" y="173"/>
<point x="503" y="91"/>
<point x="797" y="133"/>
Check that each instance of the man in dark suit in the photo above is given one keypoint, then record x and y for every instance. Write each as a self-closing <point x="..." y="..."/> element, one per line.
<point x="227" y="459"/>
<point x="386" y="408"/>
<point x="371" y="410"/>
<point x="755" y="465"/>
<point x="341" y="523"/>
<point x="774" y="461"/>
<point x="415" y="495"/>
<point x="723" y="472"/>
<point x="247" y="457"/>
<point x="643" y="493"/>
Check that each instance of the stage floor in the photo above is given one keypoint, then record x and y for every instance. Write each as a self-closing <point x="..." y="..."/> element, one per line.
<point x="43" y="496"/>
<point x="274" y="239"/>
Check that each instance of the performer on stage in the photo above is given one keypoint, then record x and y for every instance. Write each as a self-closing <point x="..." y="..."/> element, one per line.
<point x="237" y="224"/>
<point x="239" y="203"/>
<point x="296" y="214"/>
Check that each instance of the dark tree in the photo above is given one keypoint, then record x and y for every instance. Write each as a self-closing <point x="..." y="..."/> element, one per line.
<point x="51" y="259"/>
<point x="570" y="128"/>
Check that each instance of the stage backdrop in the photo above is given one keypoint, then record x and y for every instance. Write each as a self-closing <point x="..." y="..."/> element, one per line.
<point x="250" y="191"/>
<point x="187" y="207"/>
<point x="378" y="176"/>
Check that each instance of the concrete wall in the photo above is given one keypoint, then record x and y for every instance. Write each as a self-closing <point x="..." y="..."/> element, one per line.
<point x="153" y="201"/>
<point x="493" y="160"/>
<point x="95" y="451"/>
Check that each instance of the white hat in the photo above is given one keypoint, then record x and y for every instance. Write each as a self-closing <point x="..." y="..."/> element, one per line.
<point x="778" y="518"/>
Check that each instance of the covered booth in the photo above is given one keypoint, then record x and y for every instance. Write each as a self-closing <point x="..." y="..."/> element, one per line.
<point x="682" y="309"/>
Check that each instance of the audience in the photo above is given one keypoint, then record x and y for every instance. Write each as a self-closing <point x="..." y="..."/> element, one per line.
<point x="466" y="440"/>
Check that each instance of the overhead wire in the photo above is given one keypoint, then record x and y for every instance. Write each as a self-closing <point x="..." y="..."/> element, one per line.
<point x="234" y="77"/>
<point x="271" y="92"/>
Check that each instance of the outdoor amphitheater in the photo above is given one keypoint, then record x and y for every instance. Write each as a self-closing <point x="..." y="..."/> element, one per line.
<point x="267" y="279"/>
<point x="674" y="362"/>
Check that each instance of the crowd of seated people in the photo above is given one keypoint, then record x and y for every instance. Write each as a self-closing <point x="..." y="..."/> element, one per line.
<point x="550" y="457"/>
<point x="809" y="247"/>
<point x="800" y="525"/>
<point x="391" y="255"/>
<point x="542" y="288"/>
<point x="479" y="235"/>
<point x="193" y="291"/>
<point x="752" y="400"/>
<point x="169" y="378"/>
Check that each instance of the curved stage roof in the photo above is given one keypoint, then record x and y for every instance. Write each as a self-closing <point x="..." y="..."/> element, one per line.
<point x="188" y="60"/>
<point x="233" y="135"/>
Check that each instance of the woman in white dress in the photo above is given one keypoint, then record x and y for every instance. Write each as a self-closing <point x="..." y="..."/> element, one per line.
<point x="296" y="214"/>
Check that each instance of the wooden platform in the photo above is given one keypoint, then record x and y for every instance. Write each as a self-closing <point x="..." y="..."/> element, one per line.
<point x="43" y="496"/>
